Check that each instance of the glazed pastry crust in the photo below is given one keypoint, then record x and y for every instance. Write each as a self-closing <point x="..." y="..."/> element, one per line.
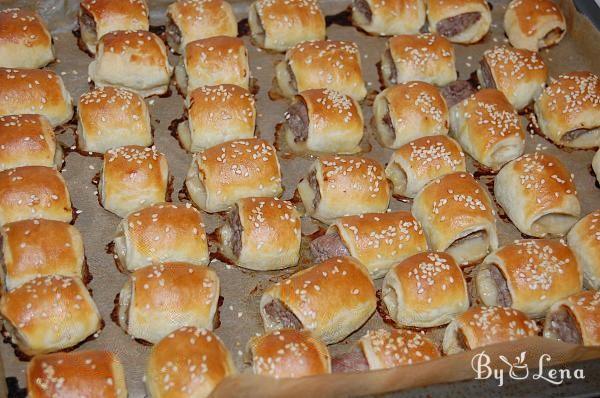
<point x="385" y="349"/>
<point x="438" y="10"/>
<point x="585" y="308"/>
<point x="584" y="241"/>
<point x="388" y="18"/>
<point x="528" y="22"/>
<point x="24" y="40"/>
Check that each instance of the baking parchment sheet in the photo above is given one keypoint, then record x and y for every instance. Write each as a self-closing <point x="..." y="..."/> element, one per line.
<point x="241" y="289"/>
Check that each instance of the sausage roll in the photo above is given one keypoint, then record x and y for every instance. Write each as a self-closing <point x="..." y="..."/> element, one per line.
<point x="377" y="240"/>
<point x="483" y="326"/>
<point x="584" y="240"/>
<point x="534" y="24"/>
<point x="189" y="20"/>
<point x="262" y="234"/>
<point x="99" y="17"/>
<point x="280" y="24"/>
<point x="33" y="192"/>
<point x="135" y="60"/>
<point x="424" y="57"/>
<point x="132" y="178"/>
<point x="519" y="74"/>
<point x="344" y="185"/>
<point x="24" y="40"/>
<point x="91" y="374"/>
<point x="538" y="194"/>
<point x="575" y="319"/>
<point x="408" y="111"/>
<point x="461" y="21"/>
<point x="488" y="128"/>
<point x="322" y="64"/>
<point x="35" y="91"/>
<point x="457" y="216"/>
<point x="323" y="120"/>
<point x="213" y="61"/>
<point x="568" y="111"/>
<point x="415" y="164"/>
<point x="189" y="362"/>
<point x="160" y="299"/>
<point x="288" y="353"/>
<point x="387" y="18"/>
<point x="425" y="290"/>
<point x="217" y="114"/>
<point x="34" y="248"/>
<point x="110" y="117"/>
<point x="529" y="275"/>
<point x="38" y="322"/>
<point x="223" y="174"/>
<point x="159" y="233"/>
<point x="331" y="300"/>
<point x="28" y="140"/>
<point x="385" y="349"/>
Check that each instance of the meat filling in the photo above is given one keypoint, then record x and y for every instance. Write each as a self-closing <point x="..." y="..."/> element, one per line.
<point x="87" y="24"/>
<point x="457" y="91"/>
<point x="280" y="314"/>
<point x="297" y="121"/>
<point x="461" y="339"/>
<point x="486" y="74"/>
<point x="173" y="34"/>
<point x="353" y="361"/>
<point x="452" y="26"/>
<point x="575" y="134"/>
<point x="328" y="246"/>
<point x="387" y="119"/>
<point x="314" y="184"/>
<point x="565" y="326"/>
<point x="504" y="297"/>
<point x="236" y="232"/>
<point x="293" y="83"/>
<point x="393" y="72"/>
<point x="362" y="7"/>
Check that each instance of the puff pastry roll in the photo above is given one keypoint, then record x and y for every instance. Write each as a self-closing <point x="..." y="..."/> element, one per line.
<point x="35" y="91"/>
<point x="28" y="140"/>
<point x="584" y="240"/>
<point x="424" y="57"/>
<point x="217" y="114"/>
<point x="534" y="24"/>
<point x="483" y="326"/>
<point x="529" y="275"/>
<point x="34" y="248"/>
<point x="461" y="21"/>
<point x="38" y="322"/>
<point x="160" y="299"/>
<point x="111" y="117"/>
<point x="342" y="301"/>
<point x="425" y="290"/>
<point x="596" y="165"/>
<point x="213" y="61"/>
<point x="568" y="110"/>
<point x="189" y="361"/>
<point x="93" y="374"/>
<point x="385" y="349"/>
<point x="415" y="164"/>
<point x="280" y="24"/>
<point x="322" y="64"/>
<point x="24" y="40"/>
<point x="33" y="192"/>
<point x="223" y="174"/>
<point x="387" y="18"/>
<point x="408" y="111"/>
<point x="99" y="17"/>
<point x="488" y="128"/>
<point x="262" y="234"/>
<point x="344" y="185"/>
<point x="519" y="74"/>
<point x="323" y="120"/>
<point x="136" y="60"/>
<point x="377" y="240"/>
<point x="538" y="194"/>
<point x="575" y="320"/>
<point x="159" y="233"/>
<point x="457" y="216"/>
<point x="189" y="20"/>
<point x="288" y="353"/>
<point x="132" y="178"/>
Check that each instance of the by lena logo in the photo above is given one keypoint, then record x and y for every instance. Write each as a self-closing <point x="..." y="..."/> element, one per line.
<point x="519" y="370"/>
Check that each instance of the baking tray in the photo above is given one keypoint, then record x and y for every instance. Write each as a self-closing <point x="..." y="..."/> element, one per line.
<point x="241" y="289"/>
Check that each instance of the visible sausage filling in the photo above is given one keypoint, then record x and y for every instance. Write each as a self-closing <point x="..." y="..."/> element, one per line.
<point x="452" y="26"/>
<point x="314" y="185"/>
<point x="297" y="121"/>
<point x="236" y="231"/>
<point x="173" y="34"/>
<point x="387" y="119"/>
<point x="457" y="91"/>
<point x="393" y="71"/>
<point x="353" y="361"/>
<point x="486" y="74"/>
<point x="565" y="326"/>
<point x="363" y="7"/>
<point x="293" y="82"/>
<point x="461" y="339"/>
<point x="282" y="316"/>
<point x="87" y="25"/>
<point x="328" y="246"/>
<point x="504" y="297"/>
<point x="575" y="134"/>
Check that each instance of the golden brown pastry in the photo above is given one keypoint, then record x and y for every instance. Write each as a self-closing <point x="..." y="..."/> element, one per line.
<point x="534" y="24"/>
<point x="538" y="194"/>
<point x="389" y="17"/>
<point x="110" y="117"/>
<point x="331" y="300"/>
<point x="584" y="241"/>
<point x="575" y="319"/>
<point x="35" y="248"/>
<point x="28" y="140"/>
<point x="461" y="21"/>
<point x="280" y="24"/>
<point x="24" y="40"/>
<point x="91" y="374"/>
<point x="529" y="275"/>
